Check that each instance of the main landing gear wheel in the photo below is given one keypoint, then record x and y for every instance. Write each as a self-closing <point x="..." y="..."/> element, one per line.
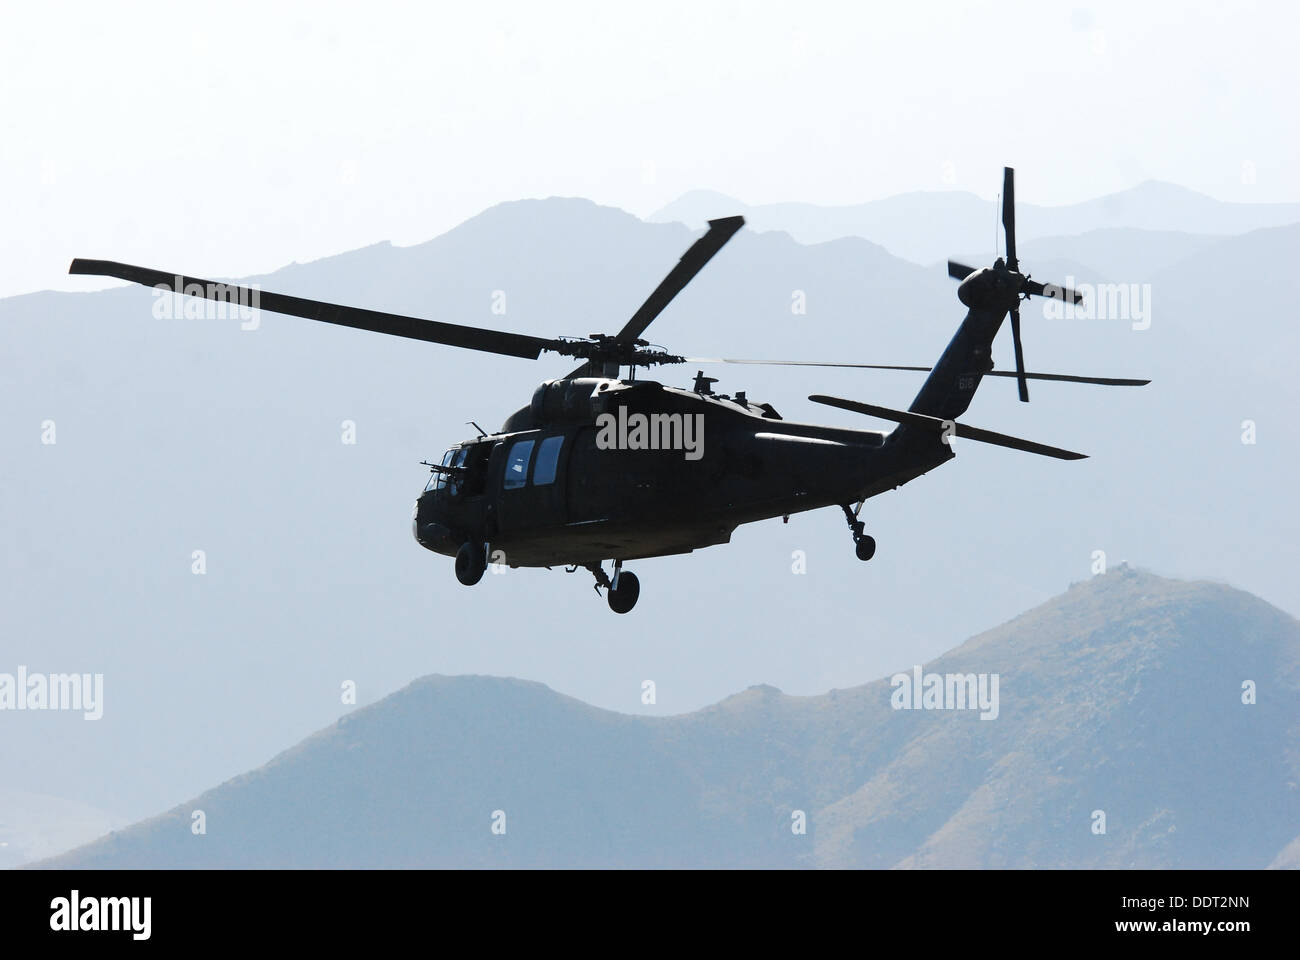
<point x="471" y="561"/>
<point x="623" y="597"/>
<point x="621" y="592"/>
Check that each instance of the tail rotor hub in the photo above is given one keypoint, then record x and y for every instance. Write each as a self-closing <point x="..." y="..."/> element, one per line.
<point x="991" y="289"/>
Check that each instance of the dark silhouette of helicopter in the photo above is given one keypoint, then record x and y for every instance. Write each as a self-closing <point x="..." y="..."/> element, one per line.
<point x="598" y="467"/>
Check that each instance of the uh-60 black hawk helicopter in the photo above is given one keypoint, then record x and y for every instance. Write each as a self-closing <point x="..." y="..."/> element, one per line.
<point x="603" y="468"/>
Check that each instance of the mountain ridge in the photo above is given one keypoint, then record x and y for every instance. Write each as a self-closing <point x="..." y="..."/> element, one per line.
<point x="927" y="227"/>
<point x="879" y="786"/>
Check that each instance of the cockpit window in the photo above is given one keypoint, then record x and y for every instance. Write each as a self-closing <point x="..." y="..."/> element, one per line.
<point x="517" y="464"/>
<point x="548" y="456"/>
<point x="439" y="479"/>
<point x="453" y="481"/>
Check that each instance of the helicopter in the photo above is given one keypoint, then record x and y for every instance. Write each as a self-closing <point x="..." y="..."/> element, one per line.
<point x="600" y="468"/>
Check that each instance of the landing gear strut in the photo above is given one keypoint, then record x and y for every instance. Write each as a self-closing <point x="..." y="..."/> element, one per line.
<point x="621" y="592"/>
<point x="864" y="544"/>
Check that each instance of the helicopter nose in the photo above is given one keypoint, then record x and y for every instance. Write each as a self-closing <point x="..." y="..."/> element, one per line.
<point x="429" y="530"/>
<point x="420" y="517"/>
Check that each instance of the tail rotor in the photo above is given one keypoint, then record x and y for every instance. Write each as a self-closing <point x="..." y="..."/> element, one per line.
<point x="1003" y="284"/>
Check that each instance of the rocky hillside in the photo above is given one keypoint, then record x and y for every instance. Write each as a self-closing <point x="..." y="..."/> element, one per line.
<point x="1120" y="699"/>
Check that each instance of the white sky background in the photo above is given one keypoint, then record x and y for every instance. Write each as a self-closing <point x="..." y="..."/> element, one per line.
<point x="227" y="139"/>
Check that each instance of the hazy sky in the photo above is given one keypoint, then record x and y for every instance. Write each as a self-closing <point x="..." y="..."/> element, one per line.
<point x="228" y="138"/>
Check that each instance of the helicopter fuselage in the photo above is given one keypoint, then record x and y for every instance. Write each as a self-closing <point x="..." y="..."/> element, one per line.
<point x="599" y="469"/>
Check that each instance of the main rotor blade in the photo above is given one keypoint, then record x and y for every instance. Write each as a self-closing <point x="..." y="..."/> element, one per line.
<point x="959" y="271"/>
<point x="413" y="328"/>
<point x="1062" y="377"/>
<point x="1020" y="355"/>
<point x="940" y="426"/>
<point x="1068" y="378"/>
<point x="692" y="262"/>
<point x="803" y="363"/>
<point x="1009" y="215"/>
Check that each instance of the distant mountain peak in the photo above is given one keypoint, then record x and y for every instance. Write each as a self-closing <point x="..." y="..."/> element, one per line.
<point x="695" y="207"/>
<point x="546" y="207"/>
<point x="1153" y="186"/>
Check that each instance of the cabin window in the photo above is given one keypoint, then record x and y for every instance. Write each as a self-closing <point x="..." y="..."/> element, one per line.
<point x="517" y="464"/>
<point x="548" y="457"/>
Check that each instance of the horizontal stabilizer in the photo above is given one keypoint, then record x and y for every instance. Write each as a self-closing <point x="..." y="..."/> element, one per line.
<point x="939" y="426"/>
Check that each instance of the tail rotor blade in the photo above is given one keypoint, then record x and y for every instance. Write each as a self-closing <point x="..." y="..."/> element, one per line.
<point x="1009" y="214"/>
<point x="1020" y="356"/>
<point x="959" y="271"/>
<point x="1034" y="288"/>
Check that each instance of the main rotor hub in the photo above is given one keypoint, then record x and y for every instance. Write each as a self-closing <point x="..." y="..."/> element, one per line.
<point x="602" y="348"/>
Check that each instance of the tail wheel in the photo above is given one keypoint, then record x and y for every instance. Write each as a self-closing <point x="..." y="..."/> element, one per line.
<point x="624" y="597"/>
<point x="865" y="547"/>
<point x="471" y="561"/>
